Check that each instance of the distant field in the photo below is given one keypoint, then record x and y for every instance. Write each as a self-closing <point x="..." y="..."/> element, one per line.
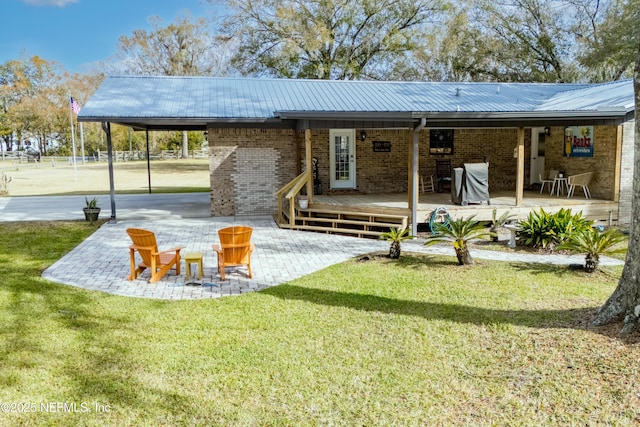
<point x="29" y="179"/>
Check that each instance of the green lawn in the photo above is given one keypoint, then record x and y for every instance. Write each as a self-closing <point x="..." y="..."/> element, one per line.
<point x="420" y="341"/>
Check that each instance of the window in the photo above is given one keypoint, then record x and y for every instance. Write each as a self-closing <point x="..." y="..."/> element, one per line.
<point x="441" y="141"/>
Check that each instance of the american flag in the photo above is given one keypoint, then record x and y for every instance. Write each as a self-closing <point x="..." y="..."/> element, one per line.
<point x="75" y="107"/>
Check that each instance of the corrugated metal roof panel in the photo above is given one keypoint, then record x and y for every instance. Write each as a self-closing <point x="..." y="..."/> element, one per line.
<point x="607" y="96"/>
<point x="239" y="98"/>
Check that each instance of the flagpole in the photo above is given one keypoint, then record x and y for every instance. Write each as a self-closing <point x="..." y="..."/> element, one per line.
<point x="73" y="140"/>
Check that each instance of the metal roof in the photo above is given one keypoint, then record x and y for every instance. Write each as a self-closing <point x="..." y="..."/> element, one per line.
<point x="170" y="102"/>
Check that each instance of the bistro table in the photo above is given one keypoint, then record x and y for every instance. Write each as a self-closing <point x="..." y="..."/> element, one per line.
<point x="560" y="183"/>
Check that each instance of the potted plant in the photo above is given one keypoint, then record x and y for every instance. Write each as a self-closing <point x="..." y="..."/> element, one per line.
<point x="91" y="209"/>
<point x="498" y="222"/>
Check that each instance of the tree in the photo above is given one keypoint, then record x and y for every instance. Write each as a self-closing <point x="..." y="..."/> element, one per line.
<point x="29" y="99"/>
<point x="600" y="42"/>
<point x="624" y="303"/>
<point x="459" y="232"/>
<point x="183" y="48"/>
<point x="326" y="39"/>
<point x="594" y="243"/>
<point x="525" y="40"/>
<point x="395" y="236"/>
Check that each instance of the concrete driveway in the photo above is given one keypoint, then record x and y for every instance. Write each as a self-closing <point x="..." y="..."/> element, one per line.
<point x="128" y="206"/>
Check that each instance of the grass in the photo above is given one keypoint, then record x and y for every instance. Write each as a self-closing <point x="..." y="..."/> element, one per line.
<point x="419" y="341"/>
<point x="167" y="176"/>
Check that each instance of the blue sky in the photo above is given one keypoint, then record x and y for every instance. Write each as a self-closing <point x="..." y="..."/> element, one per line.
<point x="79" y="33"/>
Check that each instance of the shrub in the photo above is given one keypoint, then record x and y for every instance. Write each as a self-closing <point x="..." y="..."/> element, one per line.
<point x="543" y="230"/>
<point x="459" y="232"/>
<point x="497" y="222"/>
<point x="395" y="236"/>
<point x="594" y="243"/>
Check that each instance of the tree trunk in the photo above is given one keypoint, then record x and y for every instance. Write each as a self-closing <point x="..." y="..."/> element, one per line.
<point x="394" y="250"/>
<point x="185" y="145"/>
<point x="591" y="263"/>
<point x="463" y="254"/>
<point x="624" y="303"/>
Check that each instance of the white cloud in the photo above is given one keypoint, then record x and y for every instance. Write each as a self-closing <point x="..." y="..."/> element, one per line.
<point x="57" y="3"/>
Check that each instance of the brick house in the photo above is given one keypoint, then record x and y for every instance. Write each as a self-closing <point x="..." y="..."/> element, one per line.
<point x="372" y="138"/>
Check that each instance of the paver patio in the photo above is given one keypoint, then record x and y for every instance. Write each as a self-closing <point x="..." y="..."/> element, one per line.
<point x="101" y="262"/>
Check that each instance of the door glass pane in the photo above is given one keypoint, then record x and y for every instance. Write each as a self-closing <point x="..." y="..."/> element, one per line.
<point x="341" y="146"/>
<point x="541" y="145"/>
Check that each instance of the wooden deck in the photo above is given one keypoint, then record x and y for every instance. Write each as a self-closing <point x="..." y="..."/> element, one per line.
<point x="605" y="211"/>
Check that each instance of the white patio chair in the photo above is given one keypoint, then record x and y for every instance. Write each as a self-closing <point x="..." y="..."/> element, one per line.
<point x="580" y="180"/>
<point x="548" y="180"/>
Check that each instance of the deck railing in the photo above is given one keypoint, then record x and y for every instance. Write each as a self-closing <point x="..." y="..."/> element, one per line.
<point x="289" y="193"/>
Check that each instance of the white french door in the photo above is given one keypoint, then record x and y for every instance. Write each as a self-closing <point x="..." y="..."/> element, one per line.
<point x="537" y="155"/>
<point x="342" y="153"/>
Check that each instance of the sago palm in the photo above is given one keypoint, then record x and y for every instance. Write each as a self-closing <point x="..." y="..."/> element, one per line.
<point x="594" y="243"/>
<point x="395" y="236"/>
<point x="459" y="231"/>
<point x="497" y="222"/>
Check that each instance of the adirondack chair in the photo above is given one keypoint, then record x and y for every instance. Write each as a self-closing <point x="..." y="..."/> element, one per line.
<point x="235" y="248"/>
<point x="159" y="262"/>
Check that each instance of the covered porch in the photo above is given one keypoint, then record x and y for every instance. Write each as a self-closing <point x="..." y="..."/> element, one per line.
<point x="605" y="211"/>
<point x="366" y="210"/>
<point x="372" y="214"/>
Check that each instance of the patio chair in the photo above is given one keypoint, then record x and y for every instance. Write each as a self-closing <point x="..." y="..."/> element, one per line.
<point x="159" y="262"/>
<point x="235" y="248"/>
<point x="580" y="180"/>
<point x="443" y="174"/>
<point x="550" y="179"/>
<point x="429" y="184"/>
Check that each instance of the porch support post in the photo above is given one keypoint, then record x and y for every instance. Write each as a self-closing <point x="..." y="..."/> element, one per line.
<point x="308" y="156"/>
<point x="148" y="162"/>
<point x="106" y="127"/>
<point x="414" y="176"/>
<point x="520" y="167"/>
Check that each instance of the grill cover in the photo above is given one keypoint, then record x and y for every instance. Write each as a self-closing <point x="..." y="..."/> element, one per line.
<point x="471" y="184"/>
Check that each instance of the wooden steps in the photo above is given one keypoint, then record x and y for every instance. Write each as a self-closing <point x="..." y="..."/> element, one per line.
<point x="346" y="220"/>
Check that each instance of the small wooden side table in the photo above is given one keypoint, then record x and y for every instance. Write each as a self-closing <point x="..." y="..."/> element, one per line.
<point x="194" y="258"/>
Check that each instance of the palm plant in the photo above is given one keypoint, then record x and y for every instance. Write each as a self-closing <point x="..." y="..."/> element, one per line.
<point x="395" y="236"/>
<point x="497" y="222"/>
<point x="594" y="243"/>
<point x="459" y="231"/>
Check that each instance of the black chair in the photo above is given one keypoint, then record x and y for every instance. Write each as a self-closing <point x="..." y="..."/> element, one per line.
<point x="443" y="174"/>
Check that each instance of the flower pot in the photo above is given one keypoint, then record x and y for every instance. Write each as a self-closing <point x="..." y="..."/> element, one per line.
<point x="91" y="214"/>
<point x="303" y="202"/>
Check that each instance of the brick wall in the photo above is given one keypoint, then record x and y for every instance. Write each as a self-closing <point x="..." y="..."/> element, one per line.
<point x="602" y="163"/>
<point x="376" y="172"/>
<point x="247" y="167"/>
<point x="380" y="172"/>
<point x="494" y="146"/>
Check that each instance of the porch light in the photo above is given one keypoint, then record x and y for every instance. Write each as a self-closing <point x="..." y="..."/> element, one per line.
<point x="363" y="135"/>
<point x="547" y="131"/>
